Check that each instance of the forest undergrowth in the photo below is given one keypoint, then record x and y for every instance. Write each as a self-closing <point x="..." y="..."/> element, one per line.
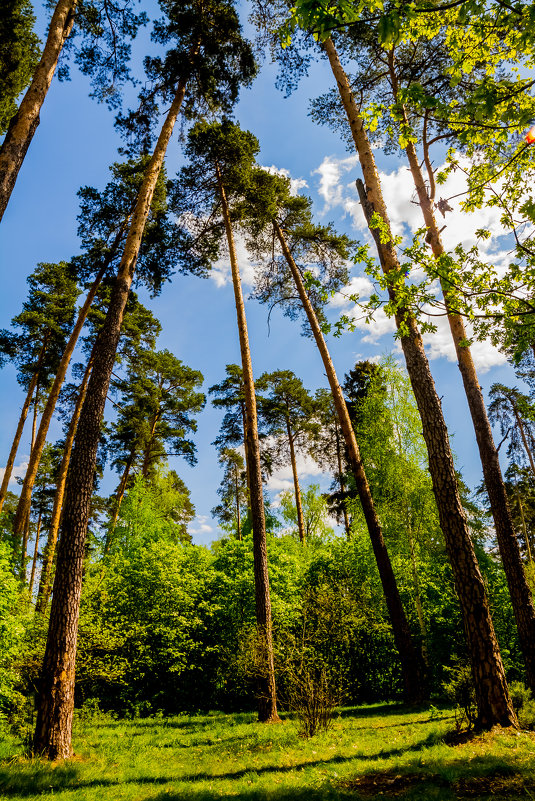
<point x="381" y="751"/>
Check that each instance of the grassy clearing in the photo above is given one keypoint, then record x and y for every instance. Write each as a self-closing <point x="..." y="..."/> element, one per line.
<point x="380" y="751"/>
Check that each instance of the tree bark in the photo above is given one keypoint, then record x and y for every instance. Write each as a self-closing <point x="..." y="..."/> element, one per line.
<point x="519" y="590"/>
<point x="45" y="584"/>
<point x="412" y="666"/>
<point x="53" y="733"/>
<point x="25" y="499"/>
<point x="297" y="488"/>
<point x="267" y="711"/>
<point x="493" y="701"/>
<point x="24" y="124"/>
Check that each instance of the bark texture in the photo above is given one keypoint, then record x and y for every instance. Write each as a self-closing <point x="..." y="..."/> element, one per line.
<point x="267" y="711"/>
<point x="297" y="488"/>
<point x="53" y="731"/>
<point x="493" y="701"/>
<point x="412" y="667"/>
<point x="24" y="124"/>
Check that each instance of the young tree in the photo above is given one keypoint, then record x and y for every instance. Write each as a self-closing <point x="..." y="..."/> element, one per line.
<point x="233" y="491"/>
<point x="209" y="60"/>
<point x="314" y="513"/>
<point x="515" y="414"/>
<point x="330" y="455"/>
<point x="288" y="412"/>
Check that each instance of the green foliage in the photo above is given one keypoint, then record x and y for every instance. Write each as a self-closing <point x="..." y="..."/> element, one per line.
<point x="12" y="630"/>
<point x="315" y="513"/>
<point x="19" y="55"/>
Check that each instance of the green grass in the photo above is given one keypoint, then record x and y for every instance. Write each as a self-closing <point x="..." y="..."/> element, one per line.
<point x="381" y="752"/>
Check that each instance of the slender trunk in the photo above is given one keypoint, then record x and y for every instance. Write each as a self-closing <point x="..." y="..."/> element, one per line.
<point x="53" y="732"/>
<point x="237" y="487"/>
<point x="40" y="440"/>
<point x="412" y="668"/>
<point x="16" y="442"/>
<point x="121" y="489"/>
<point x="23" y="125"/>
<point x="493" y="701"/>
<point x="522" y="430"/>
<point x="146" y="456"/>
<point x="519" y="590"/>
<point x="341" y="481"/>
<point x="23" y="532"/>
<point x="297" y="488"/>
<point x="45" y="583"/>
<point x="267" y="711"/>
<point x="35" y="554"/>
<point x="524" y="527"/>
<point x="418" y="600"/>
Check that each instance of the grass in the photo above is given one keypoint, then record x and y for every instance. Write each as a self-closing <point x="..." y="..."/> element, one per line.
<point x="381" y="752"/>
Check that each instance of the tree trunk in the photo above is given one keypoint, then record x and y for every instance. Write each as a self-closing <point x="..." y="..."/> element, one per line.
<point x="493" y="701"/>
<point x="23" y="533"/>
<point x="148" y="448"/>
<point x="45" y="584"/>
<point x="297" y="488"/>
<point x="23" y="125"/>
<point x="522" y="430"/>
<point x="16" y="442"/>
<point x="341" y="481"/>
<point x="267" y="711"/>
<point x="121" y="489"/>
<point x="25" y="499"/>
<point x="35" y="554"/>
<point x="519" y="590"/>
<point x="238" y="518"/>
<point x="53" y="731"/>
<point x="412" y="668"/>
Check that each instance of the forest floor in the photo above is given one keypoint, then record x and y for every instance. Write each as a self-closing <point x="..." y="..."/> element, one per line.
<point x="374" y="752"/>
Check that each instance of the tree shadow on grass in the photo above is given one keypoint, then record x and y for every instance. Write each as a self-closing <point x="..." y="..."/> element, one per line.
<point x="23" y="779"/>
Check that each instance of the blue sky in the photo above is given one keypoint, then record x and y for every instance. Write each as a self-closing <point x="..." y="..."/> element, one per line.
<point x="74" y="145"/>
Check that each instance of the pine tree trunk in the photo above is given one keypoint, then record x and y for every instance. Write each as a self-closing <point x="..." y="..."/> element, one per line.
<point x="23" y="125"/>
<point x="45" y="583"/>
<point x="493" y="701"/>
<point x="35" y="554"/>
<point x="297" y="488"/>
<point x="522" y="430"/>
<point x="341" y="481"/>
<point x="412" y="668"/>
<point x="148" y="448"/>
<point x="23" y="533"/>
<point x="238" y="517"/>
<point x="16" y="442"/>
<point x="519" y="590"/>
<point x="267" y="711"/>
<point x="121" y="489"/>
<point x="25" y="499"/>
<point x="53" y="733"/>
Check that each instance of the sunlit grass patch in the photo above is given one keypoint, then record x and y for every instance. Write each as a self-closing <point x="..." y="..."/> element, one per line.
<point x="382" y="751"/>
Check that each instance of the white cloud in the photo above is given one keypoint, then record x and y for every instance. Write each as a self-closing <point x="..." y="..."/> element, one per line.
<point x="221" y="272"/>
<point x="19" y="471"/>
<point x="282" y="479"/>
<point x="459" y="227"/>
